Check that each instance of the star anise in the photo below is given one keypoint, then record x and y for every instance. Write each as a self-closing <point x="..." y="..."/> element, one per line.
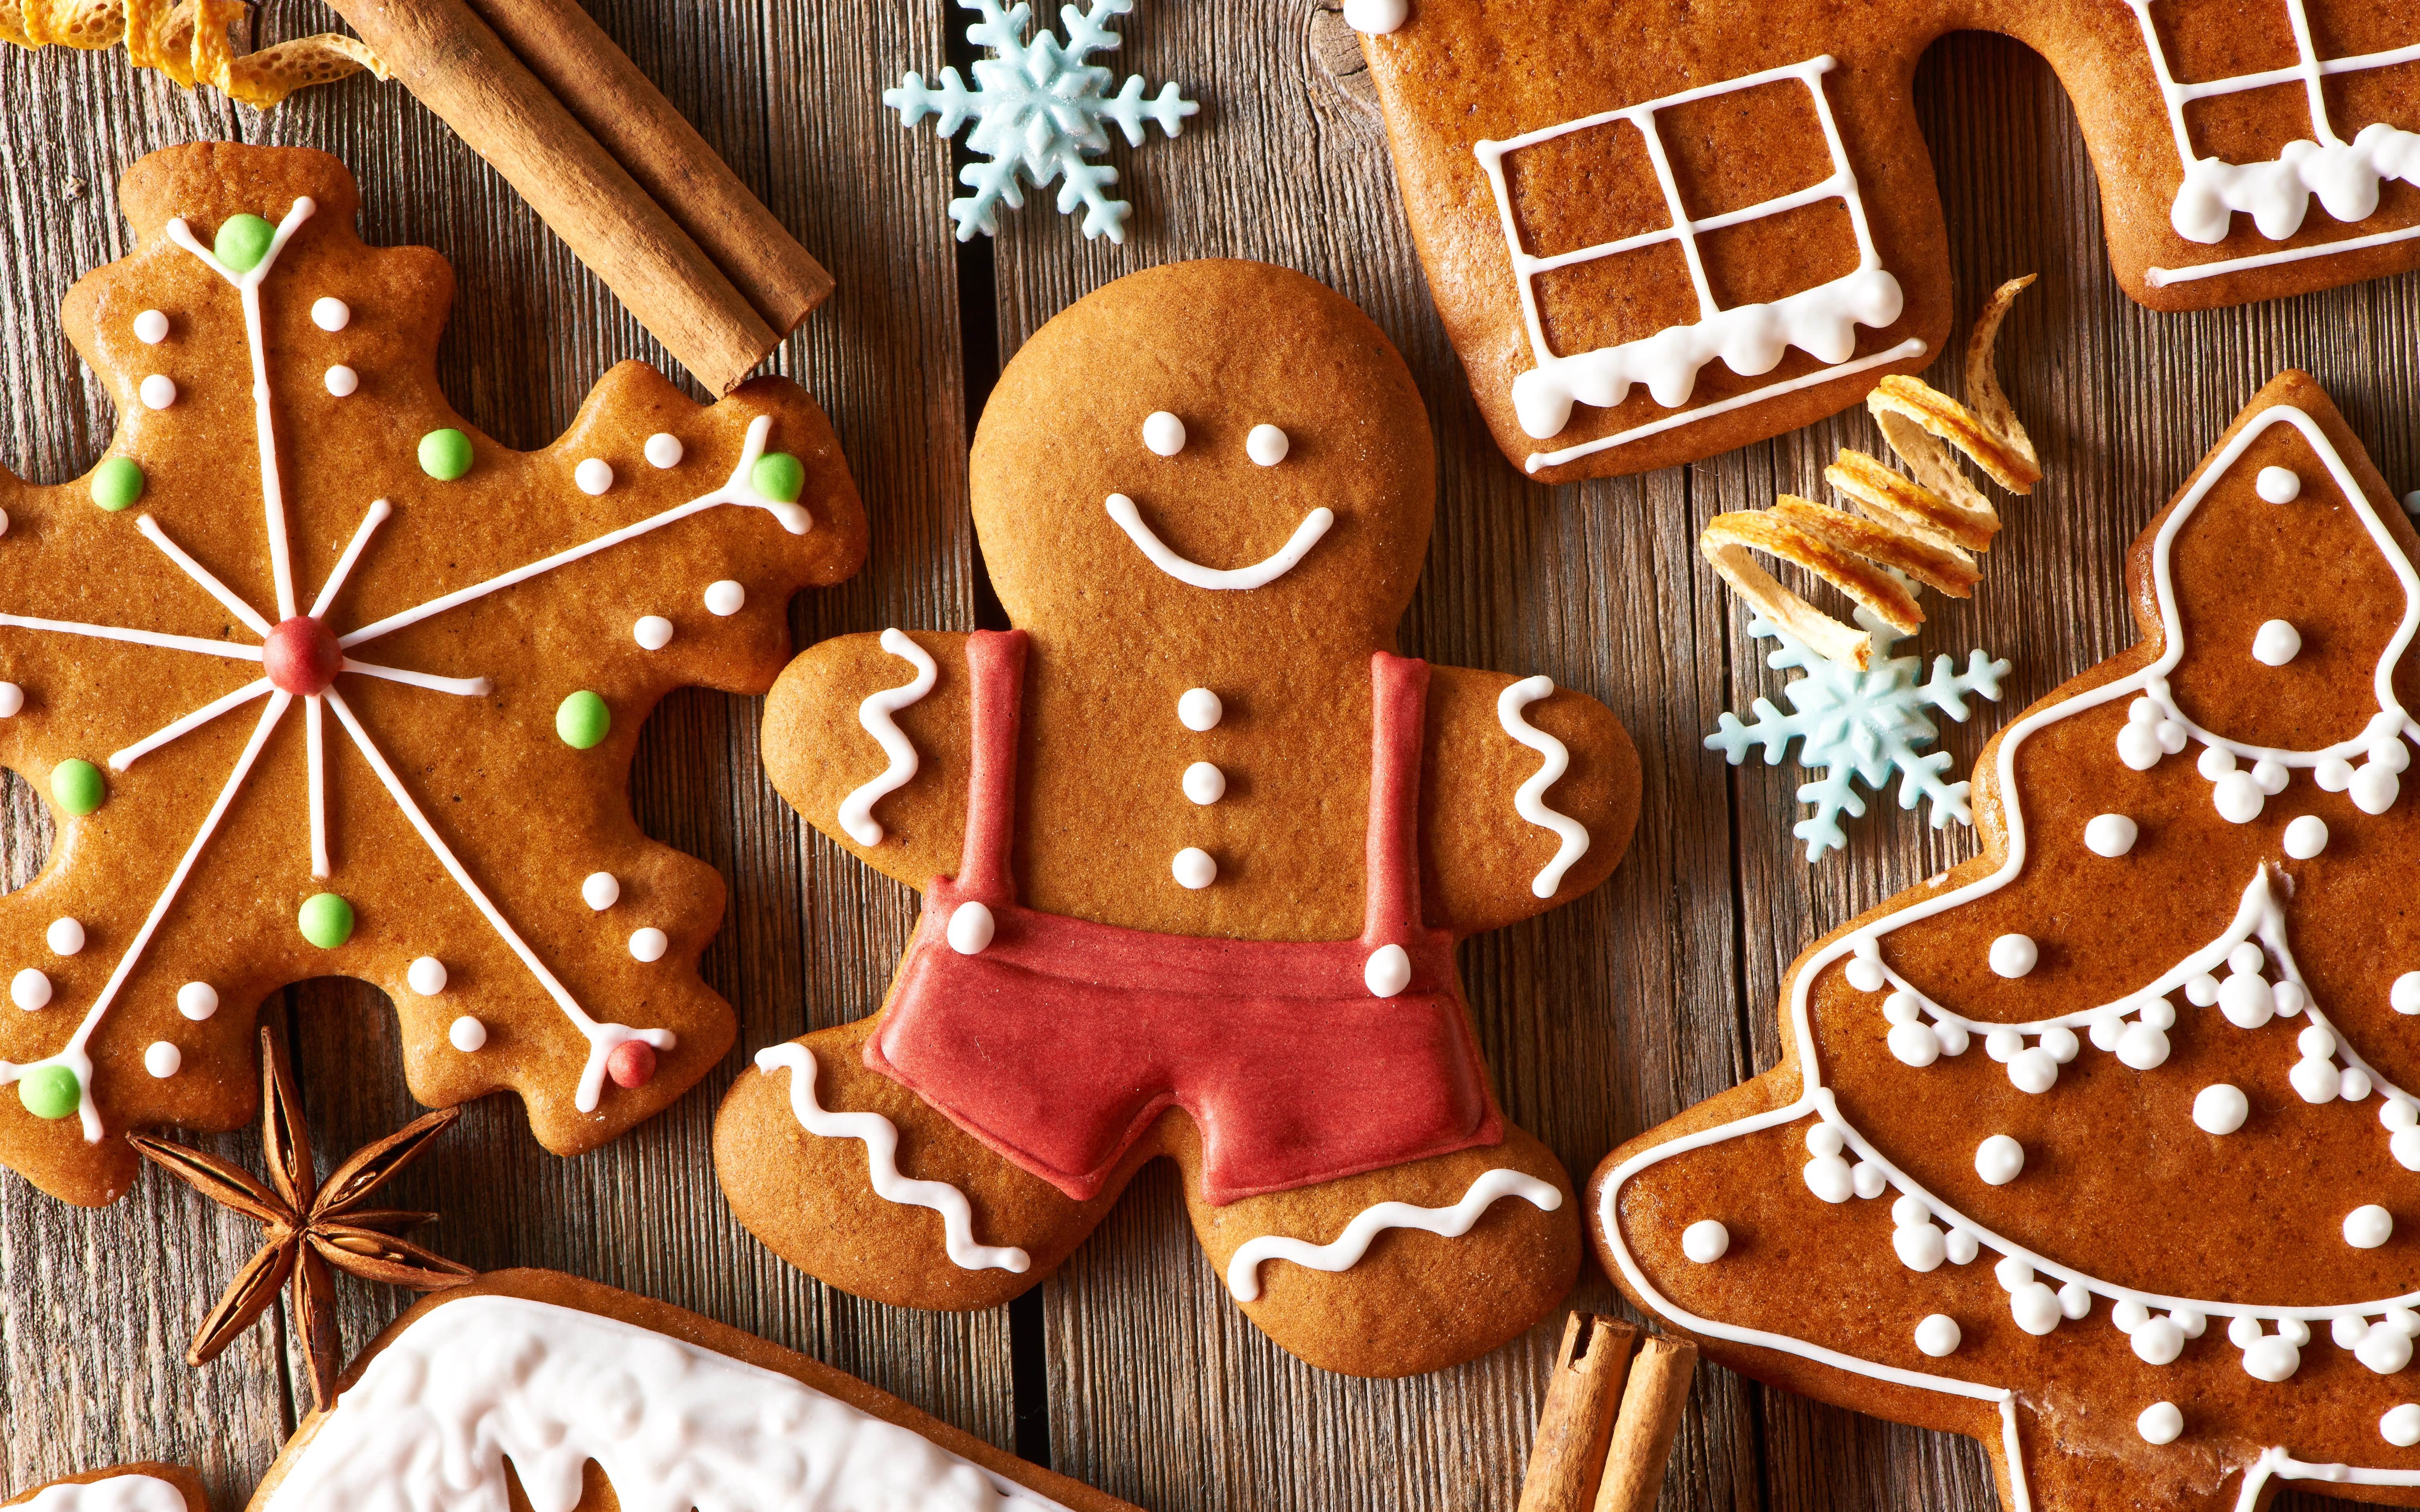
<point x="311" y="1224"/>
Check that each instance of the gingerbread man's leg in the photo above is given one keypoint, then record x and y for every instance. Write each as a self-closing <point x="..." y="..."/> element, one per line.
<point x="1399" y="1271"/>
<point x="863" y="1184"/>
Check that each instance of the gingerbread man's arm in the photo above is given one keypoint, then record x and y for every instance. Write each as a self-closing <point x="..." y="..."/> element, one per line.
<point x="898" y="800"/>
<point x="1482" y="860"/>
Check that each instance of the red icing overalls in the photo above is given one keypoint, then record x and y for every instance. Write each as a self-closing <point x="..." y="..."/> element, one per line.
<point x="1062" y="1040"/>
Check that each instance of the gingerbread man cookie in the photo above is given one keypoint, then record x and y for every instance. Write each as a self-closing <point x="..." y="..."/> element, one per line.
<point x="319" y="680"/>
<point x="1196" y="844"/>
<point x="2101" y="1146"/>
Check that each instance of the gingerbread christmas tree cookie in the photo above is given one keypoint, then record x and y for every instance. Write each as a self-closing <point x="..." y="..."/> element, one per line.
<point x="2103" y="1149"/>
<point x="319" y="680"/>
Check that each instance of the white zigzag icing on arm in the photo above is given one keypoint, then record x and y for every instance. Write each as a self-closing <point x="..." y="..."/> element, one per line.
<point x="857" y="809"/>
<point x="1530" y="802"/>
<point x="1345" y="1251"/>
<point x="881" y="1139"/>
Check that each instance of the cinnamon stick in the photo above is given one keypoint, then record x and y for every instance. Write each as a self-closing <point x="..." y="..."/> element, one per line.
<point x="1652" y="1405"/>
<point x="622" y="108"/>
<point x="462" y="71"/>
<point x="1576" y="1423"/>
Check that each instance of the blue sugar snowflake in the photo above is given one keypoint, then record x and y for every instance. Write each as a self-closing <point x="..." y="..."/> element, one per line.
<point x="1860" y="726"/>
<point x="1039" y="109"/>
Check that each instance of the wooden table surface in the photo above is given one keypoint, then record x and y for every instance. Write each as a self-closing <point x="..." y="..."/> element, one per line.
<point x="1129" y="1369"/>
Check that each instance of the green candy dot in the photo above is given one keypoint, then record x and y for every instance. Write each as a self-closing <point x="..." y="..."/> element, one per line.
<point x="779" y="476"/>
<point x="582" y="720"/>
<point x="76" y="786"/>
<point x="446" y="455"/>
<point x="116" y="483"/>
<point x="50" y="1091"/>
<point x="242" y="241"/>
<point x="327" y="921"/>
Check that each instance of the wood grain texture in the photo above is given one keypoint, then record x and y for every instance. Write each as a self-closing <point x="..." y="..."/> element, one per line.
<point x="1598" y="1020"/>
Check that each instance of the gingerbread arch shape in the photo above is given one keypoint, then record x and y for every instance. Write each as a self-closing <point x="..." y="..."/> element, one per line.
<point x="1708" y="223"/>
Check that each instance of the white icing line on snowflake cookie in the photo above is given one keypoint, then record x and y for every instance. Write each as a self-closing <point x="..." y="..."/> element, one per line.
<point x="141" y="637"/>
<point x="371" y="520"/>
<point x="1530" y="802"/>
<point x="857" y="809"/>
<point x="1345" y="1251"/>
<point x="1192" y="573"/>
<point x="210" y="581"/>
<point x="120" y="760"/>
<point x="880" y="1137"/>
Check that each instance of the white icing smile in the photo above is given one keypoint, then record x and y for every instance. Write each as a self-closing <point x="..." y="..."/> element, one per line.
<point x="1185" y="570"/>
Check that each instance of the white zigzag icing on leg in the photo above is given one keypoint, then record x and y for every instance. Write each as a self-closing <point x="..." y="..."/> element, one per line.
<point x="1345" y="1251"/>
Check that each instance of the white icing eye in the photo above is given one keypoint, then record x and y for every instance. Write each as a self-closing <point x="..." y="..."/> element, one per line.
<point x="2368" y="1227"/>
<point x="1193" y="868"/>
<point x="468" y="1035"/>
<point x="1268" y="445"/>
<point x="13" y="698"/>
<point x="1706" y="1240"/>
<point x="664" y="450"/>
<point x="427" y="976"/>
<point x="343" y="382"/>
<point x="151" y="327"/>
<point x="594" y="475"/>
<point x="653" y="632"/>
<point x="1163" y="433"/>
<point x="600" y="890"/>
<point x="971" y="928"/>
<point x="1999" y="1160"/>
<point x="1200" y="709"/>
<point x="2275" y="643"/>
<point x="159" y="391"/>
<point x="2307" y="837"/>
<point x="198" y="1000"/>
<point x="2013" y="955"/>
<point x="2161" y="1423"/>
<point x="2110" y="834"/>
<point x="162" y="1059"/>
<point x="725" y="598"/>
<point x="2278" y="485"/>
<point x="648" y="944"/>
<point x="331" y="314"/>
<point x="1938" y="1335"/>
<point x="1205" y="784"/>
<point x="64" y="936"/>
<point x="30" y="990"/>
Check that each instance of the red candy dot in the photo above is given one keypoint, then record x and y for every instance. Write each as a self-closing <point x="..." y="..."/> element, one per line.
<point x="301" y="656"/>
<point x="631" y="1064"/>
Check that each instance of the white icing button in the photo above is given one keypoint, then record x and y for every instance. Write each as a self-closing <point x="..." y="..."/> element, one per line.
<point x="331" y="314"/>
<point x="162" y="1059"/>
<point x="664" y="450"/>
<point x="600" y="890"/>
<point x="648" y="944"/>
<point x="653" y="632"/>
<point x="2368" y="1227"/>
<point x="1938" y="1335"/>
<point x="151" y="327"/>
<point x="2279" y="485"/>
<point x="425" y="976"/>
<point x="2307" y="837"/>
<point x="159" y="391"/>
<point x="1706" y="1240"/>
<point x="343" y="381"/>
<point x="2401" y="1427"/>
<point x="1205" y="784"/>
<point x="1999" y="1160"/>
<point x="594" y="475"/>
<point x="1388" y="971"/>
<point x="971" y="927"/>
<point x="1163" y="433"/>
<point x="1268" y="445"/>
<point x="198" y="1000"/>
<point x="726" y="597"/>
<point x="2219" y="1109"/>
<point x="2110" y="834"/>
<point x="30" y="990"/>
<point x="1377" y="18"/>
<point x="1200" y="709"/>
<point x="2404" y="996"/>
<point x="2013" y="955"/>
<point x="1194" y="869"/>
<point x="2159" y="1422"/>
<point x="2275" y="643"/>
<point x="65" y="936"/>
<point x="468" y="1035"/>
<point x="13" y="698"/>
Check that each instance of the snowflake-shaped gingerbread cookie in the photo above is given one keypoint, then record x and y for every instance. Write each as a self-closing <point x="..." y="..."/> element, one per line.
<point x="319" y="680"/>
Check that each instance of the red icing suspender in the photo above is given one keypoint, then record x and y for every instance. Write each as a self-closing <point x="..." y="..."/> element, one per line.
<point x="996" y="672"/>
<point x="1390" y="882"/>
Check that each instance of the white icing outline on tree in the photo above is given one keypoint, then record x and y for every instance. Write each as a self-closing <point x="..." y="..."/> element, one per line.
<point x="602" y="1037"/>
<point x="1818" y="1099"/>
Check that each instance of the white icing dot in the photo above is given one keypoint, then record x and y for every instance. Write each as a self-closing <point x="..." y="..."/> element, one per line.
<point x="1706" y="1240"/>
<point x="1388" y="971"/>
<point x="2157" y="1013"/>
<point x="1999" y="1160"/>
<point x="2307" y="837"/>
<point x="2368" y="1227"/>
<point x="1938" y="1335"/>
<point x="1823" y="1139"/>
<point x="1909" y="1211"/>
<point x="2247" y="956"/>
<point x="1920" y="1246"/>
<point x="648" y="944"/>
<point x="331" y="314"/>
<point x="159" y="391"/>
<point x="2271" y="1359"/>
<point x="151" y="327"/>
<point x="162" y="1059"/>
<point x="2238" y="798"/>
<point x="198" y="1000"/>
<point x="1200" y="709"/>
<point x="726" y="597"/>
<point x="2278" y="485"/>
<point x="653" y="632"/>
<point x="1377" y="18"/>
<point x="1205" y="784"/>
<point x="1866" y="974"/>
<point x="2354" y="1084"/>
<point x="594" y="475"/>
<point x="1268" y="445"/>
<point x="2108" y="1026"/>
<point x="2405" y="1148"/>
<point x="2401" y="1427"/>
<point x="2110" y="834"/>
<point x="2060" y="1044"/>
<point x="2036" y="1308"/>
<point x="1902" y="1008"/>
<point x="2033" y="1070"/>
<point x="2246" y="1000"/>
<point x="2275" y="643"/>
<point x="2013" y="955"/>
<point x="2159" y="1422"/>
<point x="2405" y="995"/>
<point x="64" y="936"/>
<point x="664" y="450"/>
<point x="1868" y="1180"/>
<point x="30" y="990"/>
<point x="2143" y="1048"/>
<point x="1915" y="1045"/>
<point x="600" y="890"/>
<point x="2003" y="1045"/>
<point x="2373" y="788"/>
<point x="2395" y="1113"/>
<point x="1828" y="1176"/>
<point x="1193" y="868"/>
<point x="425" y="976"/>
<point x="2075" y="1301"/>
<point x="2333" y="775"/>
<point x="2214" y="762"/>
<point x="2156" y="1341"/>
<point x="2243" y="1333"/>
<point x="2319" y="1039"/>
<point x="1163" y="433"/>
<point x="2011" y="1273"/>
<point x="971" y="927"/>
<point x="2138" y="747"/>
<point x="13" y="698"/>
<point x="2219" y="1109"/>
<point x="2384" y="1348"/>
<point x="468" y="1035"/>
<point x="342" y="381"/>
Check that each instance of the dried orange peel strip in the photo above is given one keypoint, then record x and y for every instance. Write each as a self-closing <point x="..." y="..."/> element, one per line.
<point x="1924" y="529"/>
<point x="188" y="41"/>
